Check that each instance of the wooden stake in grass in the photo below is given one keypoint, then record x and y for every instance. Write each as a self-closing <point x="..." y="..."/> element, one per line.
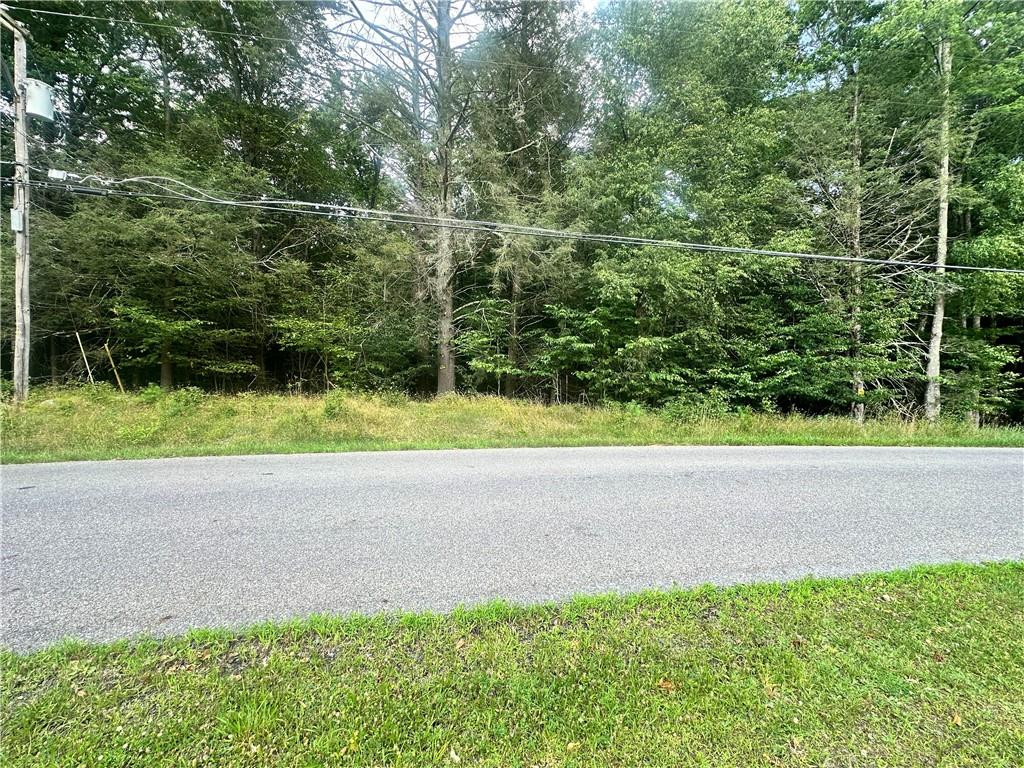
<point x="117" y="376"/>
<point x="85" y="359"/>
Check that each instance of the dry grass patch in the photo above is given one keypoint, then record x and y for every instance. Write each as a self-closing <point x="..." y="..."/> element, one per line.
<point x="98" y="423"/>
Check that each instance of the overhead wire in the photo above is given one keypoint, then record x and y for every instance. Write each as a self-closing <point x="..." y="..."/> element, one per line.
<point x="223" y="33"/>
<point x="401" y="218"/>
<point x="136" y="23"/>
<point x="519" y="229"/>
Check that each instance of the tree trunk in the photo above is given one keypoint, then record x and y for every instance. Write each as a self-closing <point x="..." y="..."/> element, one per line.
<point x="443" y="293"/>
<point x="261" y="363"/>
<point x="856" y="289"/>
<point x="933" y="393"/>
<point x="511" y="381"/>
<point x="855" y="340"/>
<point x="54" y="375"/>
<point x="165" y="90"/>
<point x="444" y="266"/>
<point x="166" y="366"/>
<point x="974" y="415"/>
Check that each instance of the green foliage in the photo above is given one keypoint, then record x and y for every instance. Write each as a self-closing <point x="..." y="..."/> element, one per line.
<point x="151" y="394"/>
<point x="184" y="400"/>
<point x="336" y="404"/>
<point x="807" y="126"/>
<point x="697" y="406"/>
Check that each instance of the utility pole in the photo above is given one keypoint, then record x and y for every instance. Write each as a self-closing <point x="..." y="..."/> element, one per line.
<point x="20" y="212"/>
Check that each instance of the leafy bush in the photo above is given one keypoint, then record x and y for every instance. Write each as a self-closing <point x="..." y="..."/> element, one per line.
<point x="336" y="404"/>
<point x="100" y="392"/>
<point x="188" y="396"/>
<point x="184" y="400"/>
<point x="633" y="408"/>
<point x="698" y="406"/>
<point x="151" y="394"/>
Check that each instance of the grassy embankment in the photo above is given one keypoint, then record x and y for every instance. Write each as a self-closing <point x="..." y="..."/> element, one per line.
<point x="98" y="423"/>
<point x="923" y="667"/>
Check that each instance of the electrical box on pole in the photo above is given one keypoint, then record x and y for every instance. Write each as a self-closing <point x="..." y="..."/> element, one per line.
<point x="38" y="99"/>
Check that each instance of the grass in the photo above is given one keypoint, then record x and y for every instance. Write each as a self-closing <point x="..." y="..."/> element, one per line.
<point x="915" y="668"/>
<point x="98" y="423"/>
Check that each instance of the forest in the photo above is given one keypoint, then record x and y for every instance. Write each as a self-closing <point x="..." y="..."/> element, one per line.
<point x="872" y="130"/>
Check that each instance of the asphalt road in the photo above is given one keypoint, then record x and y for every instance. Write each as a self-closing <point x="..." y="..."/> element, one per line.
<point x="103" y="550"/>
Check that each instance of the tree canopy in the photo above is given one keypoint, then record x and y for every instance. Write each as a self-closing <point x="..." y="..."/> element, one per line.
<point x="814" y="126"/>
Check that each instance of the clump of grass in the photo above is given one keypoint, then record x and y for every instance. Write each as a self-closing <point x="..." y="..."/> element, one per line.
<point x="99" y="423"/>
<point x="922" y="667"/>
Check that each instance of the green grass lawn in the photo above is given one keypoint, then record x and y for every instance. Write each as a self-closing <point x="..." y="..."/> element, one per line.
<point x="98" y="423"/>
<point x="916" y="668"/>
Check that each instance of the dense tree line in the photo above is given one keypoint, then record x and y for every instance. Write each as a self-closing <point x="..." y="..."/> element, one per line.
<point x="880" y="130"/>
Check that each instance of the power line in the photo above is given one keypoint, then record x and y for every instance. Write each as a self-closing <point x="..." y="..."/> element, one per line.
<point x="242" y="35"/>
<point x="208" y="31"/>
<point x="153" y="24"/>
<point x="490" y="227"/>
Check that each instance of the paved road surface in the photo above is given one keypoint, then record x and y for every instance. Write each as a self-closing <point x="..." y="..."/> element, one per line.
<point x="101" y="550"/>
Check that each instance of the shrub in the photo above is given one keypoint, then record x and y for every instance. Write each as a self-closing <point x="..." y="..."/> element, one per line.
<point x="183" y="400"/>
<point x="99" y="392"/>
<point x="628" y="409"/>
<point x="187" y="396"/>
<point x="698" y="406"/>
<point x="151" y="394"/>
<point x="336" y="404"/>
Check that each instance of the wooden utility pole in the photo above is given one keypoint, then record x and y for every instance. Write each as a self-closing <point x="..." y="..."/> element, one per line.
<point x="20" y="212"/>
<point x="933" y="392"/>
